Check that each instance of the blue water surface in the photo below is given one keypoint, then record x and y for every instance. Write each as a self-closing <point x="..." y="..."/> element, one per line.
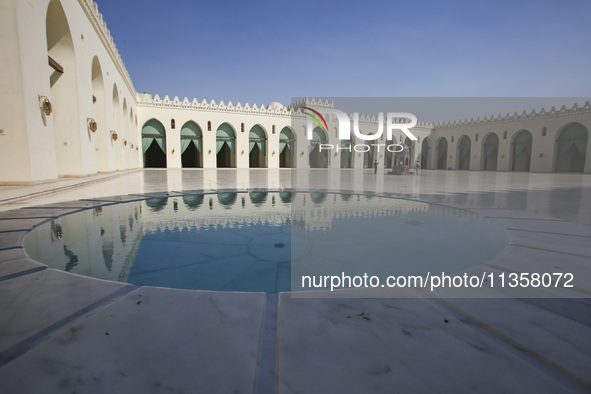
<point x="263" y="242"/>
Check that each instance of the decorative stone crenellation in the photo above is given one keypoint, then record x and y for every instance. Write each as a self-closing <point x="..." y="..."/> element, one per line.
<point x="146" y="99"/>
<point x="499" y="119"/>
<point x="293" y="110"/>
<point x="90" y="7"/>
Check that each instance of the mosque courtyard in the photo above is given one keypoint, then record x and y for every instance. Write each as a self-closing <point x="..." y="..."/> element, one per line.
<point x="63" y="332"/>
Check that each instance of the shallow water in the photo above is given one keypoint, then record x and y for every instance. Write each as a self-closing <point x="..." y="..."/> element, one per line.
<point x="263" y="241"/>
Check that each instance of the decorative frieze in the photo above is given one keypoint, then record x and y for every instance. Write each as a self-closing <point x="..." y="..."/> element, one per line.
<point x="533" y="115"/>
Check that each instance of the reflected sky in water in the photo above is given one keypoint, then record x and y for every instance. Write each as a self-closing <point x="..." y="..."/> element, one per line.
<point x="263" y="241"/>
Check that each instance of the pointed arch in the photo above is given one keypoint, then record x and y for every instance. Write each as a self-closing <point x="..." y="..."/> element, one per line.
<point x="154" y="144"/>
<point x="116" y="110"/>
<point x="347" y="156"/>
<point x="369" y="157"/>
<point x="464" y="153"/>
<point x="571" y="148"/>
<point x="490" y="152"/>
<point x="225" y="146"/>
<point x="287" y="146"/>
<point x="125" y="135"/>
<point x="411" y="147"/>
<point x="318" y="159"/>
<point x="391" y="147"/>
<point x="132" y="137"/>
<point x="442" y="154"/>
<point x="99" y="114"/>
<point x="425" y="147"/>
<point x="257" y="147"/>
<point x="134" y="140"/>
<point x="116" y="128"/>
<point x="521" y="152"/>
<point x="64" y="92"/>
<point x="191" y="145"/>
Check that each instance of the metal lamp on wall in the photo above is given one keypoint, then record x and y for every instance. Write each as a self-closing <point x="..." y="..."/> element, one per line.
<point x="92" y="125"/>
<point x="45" y="104"/>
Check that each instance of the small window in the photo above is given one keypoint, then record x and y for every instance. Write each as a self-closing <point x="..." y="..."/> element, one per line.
<point x="452" y="138"/>
<point x="543" y="131"/>
<point x="209" y="125"/>
<point x="273" y="129"/>
<point x="476" y="137"/>
<point x="172" y="123"/>
<point x="242" y="127"/>
<point x="505" y="135"/>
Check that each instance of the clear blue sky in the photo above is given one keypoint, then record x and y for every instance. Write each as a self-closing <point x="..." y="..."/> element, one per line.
<point x="264" y="51"/>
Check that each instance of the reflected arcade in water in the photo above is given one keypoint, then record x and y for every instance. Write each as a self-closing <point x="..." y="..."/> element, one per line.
<point x="259" y="240"/>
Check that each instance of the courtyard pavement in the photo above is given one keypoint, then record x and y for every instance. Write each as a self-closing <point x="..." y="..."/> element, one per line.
<point x="61" y="332"/>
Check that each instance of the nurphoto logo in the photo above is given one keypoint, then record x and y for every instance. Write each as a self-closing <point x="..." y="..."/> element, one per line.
<point x="394" y="121"/>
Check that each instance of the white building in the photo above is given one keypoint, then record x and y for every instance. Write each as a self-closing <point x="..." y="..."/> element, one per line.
<point x="69" y="108"/>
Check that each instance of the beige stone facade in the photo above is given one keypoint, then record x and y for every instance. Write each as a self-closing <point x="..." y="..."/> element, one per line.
<point x="69" y="108"/>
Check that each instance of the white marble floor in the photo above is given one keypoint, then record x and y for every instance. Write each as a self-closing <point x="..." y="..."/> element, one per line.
<point x="65" y="333"/>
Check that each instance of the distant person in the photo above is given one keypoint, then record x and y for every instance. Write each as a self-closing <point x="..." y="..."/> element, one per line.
<point x="375" y="167"/>
<point x="417" y="166"/>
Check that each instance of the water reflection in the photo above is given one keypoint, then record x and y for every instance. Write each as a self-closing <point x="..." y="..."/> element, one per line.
<point x="72" y="259"/>
<point x="317" y="197"/>
<point x="286" y="197"/>
<point x="56" y="230"/>
<point x="257" y="199"/>
<point x="245" y="242"/>
<point x="193" y="202"/>
<point x="227" y="199"/>
<point x="157" y="204"/>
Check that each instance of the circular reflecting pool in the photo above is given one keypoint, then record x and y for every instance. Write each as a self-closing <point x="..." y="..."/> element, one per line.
<point x="263" y="241"/>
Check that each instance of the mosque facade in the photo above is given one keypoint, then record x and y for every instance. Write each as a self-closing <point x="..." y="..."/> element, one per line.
<point x="70" y="109"/>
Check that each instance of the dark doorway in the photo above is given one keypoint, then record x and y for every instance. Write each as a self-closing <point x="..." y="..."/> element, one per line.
<point x="285" y="158"/>
<point x="191" y="157"/>
<point x="318" y="159"/>
<point x="224" y="157"/>
<point x="442" y="154"/>
<point x="154" y="157"/>
<point x="256" y="158"/>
